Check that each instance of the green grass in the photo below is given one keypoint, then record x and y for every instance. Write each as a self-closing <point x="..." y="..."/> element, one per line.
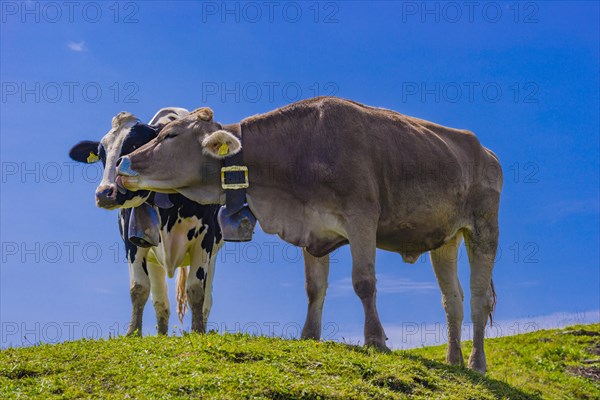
<point x="534" y="365"/>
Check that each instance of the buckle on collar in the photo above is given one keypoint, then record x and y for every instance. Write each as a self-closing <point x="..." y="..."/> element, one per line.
<point x="234" y="186"/>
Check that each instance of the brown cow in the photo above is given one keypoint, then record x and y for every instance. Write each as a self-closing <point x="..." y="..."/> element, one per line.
<point x="326" y="171"/>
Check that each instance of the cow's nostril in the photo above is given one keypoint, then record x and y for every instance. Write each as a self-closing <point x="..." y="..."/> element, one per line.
<point x="107" y="192"/>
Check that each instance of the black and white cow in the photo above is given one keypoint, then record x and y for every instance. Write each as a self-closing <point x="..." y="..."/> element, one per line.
<point x="189" y="235"/>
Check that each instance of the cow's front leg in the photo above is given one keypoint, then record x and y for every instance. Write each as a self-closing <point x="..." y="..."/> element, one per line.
<point x="199" y="286"/>
<point x="362" y="246"/>
<point x="139" y="289"/>
<point x="160" y="296"/>
<point x="445" y="266"/>
<point x="316" y="270"/>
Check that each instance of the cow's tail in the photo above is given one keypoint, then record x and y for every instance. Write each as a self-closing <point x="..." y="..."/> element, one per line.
<point x="493" y="302"/>
<point x="182" y="305"/>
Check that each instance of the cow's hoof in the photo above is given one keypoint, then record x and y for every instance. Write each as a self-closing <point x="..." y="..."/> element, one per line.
<point x="133" y="332"/>
<point x="477" y="362"/>
<point x="454" y="356"/>
<point x="198" y="325"/>
<point x="162" y="327"/>
<point x="378" y="344"/>
<point x="310" y="333"/>
<point x="310" y="336"/>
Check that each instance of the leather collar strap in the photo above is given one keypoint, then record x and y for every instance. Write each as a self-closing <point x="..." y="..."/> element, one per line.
<point x="234" y="178"/>
<point x="235" y="218"/>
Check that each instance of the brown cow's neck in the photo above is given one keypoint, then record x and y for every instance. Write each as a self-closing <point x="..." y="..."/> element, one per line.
<point x="266" y="171"/>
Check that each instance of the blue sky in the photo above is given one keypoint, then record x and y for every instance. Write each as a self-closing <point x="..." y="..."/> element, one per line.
<point x="522" y="76"/>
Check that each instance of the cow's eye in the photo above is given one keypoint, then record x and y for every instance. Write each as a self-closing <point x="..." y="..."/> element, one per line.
<point x="165" y="137"/>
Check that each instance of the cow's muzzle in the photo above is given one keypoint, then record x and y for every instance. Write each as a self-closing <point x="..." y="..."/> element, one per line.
<point x="106" y="196"/>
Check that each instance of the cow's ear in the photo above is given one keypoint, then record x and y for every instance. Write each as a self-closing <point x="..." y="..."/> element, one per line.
<point x="221" y="144"/>
<point x="85" y="152"/>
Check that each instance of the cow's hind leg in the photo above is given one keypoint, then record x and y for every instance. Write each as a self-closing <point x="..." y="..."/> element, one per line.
<point x="445" y="266"/>
<point x="316" y="270"/>
<point x="139" y="289"/>
<point x="481" y="243"/>
<point x="362" y="238"/>
<point x="160" y="297"/>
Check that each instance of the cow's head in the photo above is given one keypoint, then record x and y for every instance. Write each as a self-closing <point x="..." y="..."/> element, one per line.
<point x="126" y="135"/>
<point x="184" y="158"/>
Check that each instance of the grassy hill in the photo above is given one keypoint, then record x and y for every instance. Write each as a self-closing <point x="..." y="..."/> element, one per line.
<point x="546" y="364"/>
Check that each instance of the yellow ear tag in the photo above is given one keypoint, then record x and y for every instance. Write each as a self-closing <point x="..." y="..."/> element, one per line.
<point x="223" y="150"/>
<point x="92" y="158"/>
